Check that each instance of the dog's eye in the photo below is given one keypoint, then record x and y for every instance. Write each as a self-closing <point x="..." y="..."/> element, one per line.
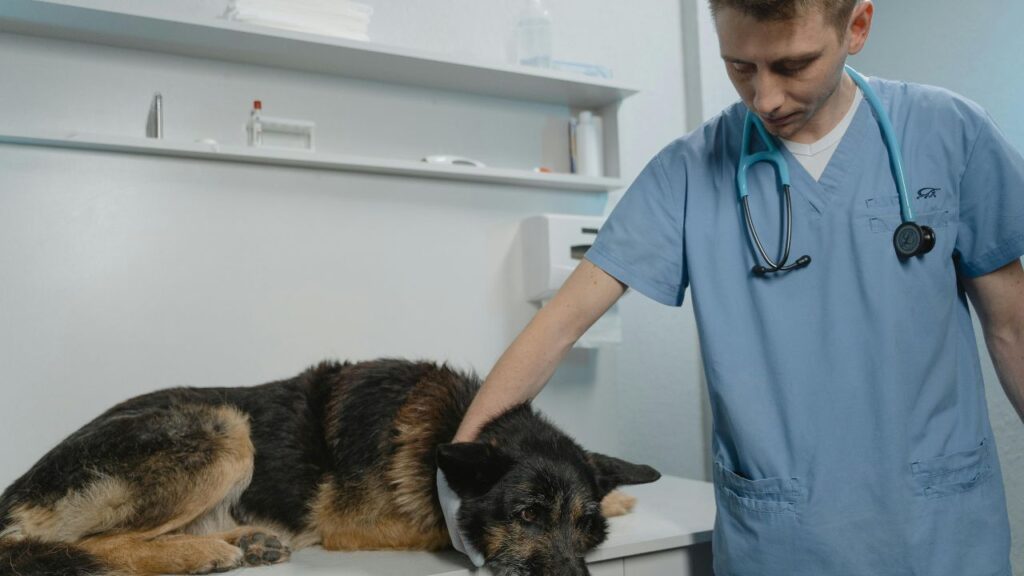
<point x="528" y="515"/>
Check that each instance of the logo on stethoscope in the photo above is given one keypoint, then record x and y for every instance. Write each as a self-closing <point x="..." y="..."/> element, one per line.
<point x="908" y="239"/>
<point x="925" y="193"/>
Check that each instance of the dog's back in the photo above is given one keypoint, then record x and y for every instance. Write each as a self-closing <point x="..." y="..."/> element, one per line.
<point x="385" y="421"/>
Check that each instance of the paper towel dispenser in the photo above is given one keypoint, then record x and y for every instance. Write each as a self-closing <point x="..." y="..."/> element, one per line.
<point x="553" y="245"/>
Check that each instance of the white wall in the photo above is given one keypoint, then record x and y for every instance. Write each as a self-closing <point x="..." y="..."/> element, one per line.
<point x="973" y="49"/>
<point x="122" y="274"/>
<point x="709" y="89"/>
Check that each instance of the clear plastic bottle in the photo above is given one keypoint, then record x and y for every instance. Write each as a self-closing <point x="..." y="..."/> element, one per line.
<point x="533" y="35"/>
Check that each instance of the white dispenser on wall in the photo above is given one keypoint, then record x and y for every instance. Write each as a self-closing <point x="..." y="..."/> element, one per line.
<point x="553" y="245"/>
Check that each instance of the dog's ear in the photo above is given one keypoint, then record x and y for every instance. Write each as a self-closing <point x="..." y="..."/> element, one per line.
<point x="472" y="468"/>
<point x="612" y="472"/>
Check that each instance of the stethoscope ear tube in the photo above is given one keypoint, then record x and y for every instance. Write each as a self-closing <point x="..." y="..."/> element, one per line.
<point x="759" y="270"/>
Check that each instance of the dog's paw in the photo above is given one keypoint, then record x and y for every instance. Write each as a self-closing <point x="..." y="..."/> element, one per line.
<point x="617" y="503"/>
<point x="260" y="549"/>
<point x="221" y="558"/>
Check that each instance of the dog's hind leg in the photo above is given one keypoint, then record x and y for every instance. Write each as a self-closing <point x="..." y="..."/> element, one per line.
<point x="170" y="554"/>
<point x="186" y="553"/>
<point x="147" y="474"/>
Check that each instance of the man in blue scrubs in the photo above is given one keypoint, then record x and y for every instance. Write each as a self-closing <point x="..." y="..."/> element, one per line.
<point x="851" y="435"/>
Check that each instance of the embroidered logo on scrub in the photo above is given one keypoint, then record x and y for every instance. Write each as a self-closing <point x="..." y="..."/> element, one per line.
<point x="927" y="193"/>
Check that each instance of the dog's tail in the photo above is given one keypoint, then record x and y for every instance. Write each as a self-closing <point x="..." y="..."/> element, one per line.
<point x="30" y="557"/>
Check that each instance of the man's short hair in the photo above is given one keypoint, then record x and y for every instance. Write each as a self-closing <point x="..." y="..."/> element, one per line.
<point x="837" y="12"/>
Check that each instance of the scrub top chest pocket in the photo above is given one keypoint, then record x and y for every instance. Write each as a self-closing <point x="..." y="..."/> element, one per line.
<point x="934" y="206"/>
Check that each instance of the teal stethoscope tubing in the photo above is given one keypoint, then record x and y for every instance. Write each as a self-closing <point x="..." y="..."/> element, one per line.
<point x="773" y="156"/>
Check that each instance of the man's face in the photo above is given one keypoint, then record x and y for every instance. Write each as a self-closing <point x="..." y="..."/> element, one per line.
<point x="785" y="71"/>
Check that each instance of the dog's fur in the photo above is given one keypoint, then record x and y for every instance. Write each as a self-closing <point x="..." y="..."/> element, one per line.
<point x="195" y="480"/>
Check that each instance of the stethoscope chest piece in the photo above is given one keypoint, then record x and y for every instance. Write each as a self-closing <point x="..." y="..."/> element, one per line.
<point x="911" y="240"/>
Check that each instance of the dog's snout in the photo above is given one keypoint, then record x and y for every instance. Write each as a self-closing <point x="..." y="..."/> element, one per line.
<point x="575" y="567"/>
<point x="569" y="563"/>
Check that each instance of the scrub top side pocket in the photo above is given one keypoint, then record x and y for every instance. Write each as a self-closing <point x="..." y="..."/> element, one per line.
<point x="953" y="473"/>
<point x="964" y="527"/>
<point x="757" y="526"/>
<point x="765" y="496"/>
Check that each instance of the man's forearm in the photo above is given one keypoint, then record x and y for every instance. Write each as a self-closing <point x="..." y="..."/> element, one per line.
<point x="999" y="299"/>
<point x="524" y="369"/>
<point x="1007" y="351"/>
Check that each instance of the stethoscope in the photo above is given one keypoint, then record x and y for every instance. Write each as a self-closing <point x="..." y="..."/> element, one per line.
<point x="910" y="239"/>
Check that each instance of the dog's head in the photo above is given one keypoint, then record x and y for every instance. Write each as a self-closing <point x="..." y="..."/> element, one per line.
<point x="531" y="499"/>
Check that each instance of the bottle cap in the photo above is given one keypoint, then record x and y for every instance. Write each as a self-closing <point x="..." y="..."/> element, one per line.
<point x="257" y="105"/>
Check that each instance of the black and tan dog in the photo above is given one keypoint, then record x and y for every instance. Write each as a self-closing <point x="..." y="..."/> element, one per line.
<point x="196" y="480"/>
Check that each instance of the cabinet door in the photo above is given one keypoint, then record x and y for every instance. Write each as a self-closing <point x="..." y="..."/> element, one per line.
<point x="689" y="561"/>
<point x="606" y="568"/>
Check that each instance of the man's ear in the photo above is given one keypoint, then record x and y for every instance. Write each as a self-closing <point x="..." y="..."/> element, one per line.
<point x="472" y="468"/>
<point x="860" y="26"/>
<point x="612" y="472"/>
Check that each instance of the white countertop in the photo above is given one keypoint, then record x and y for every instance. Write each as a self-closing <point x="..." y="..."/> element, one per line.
<point x="670" y="513"/>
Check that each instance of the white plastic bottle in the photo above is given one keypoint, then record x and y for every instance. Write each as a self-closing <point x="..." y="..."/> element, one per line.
<point x="533" y="35"/>
<point x="589" y="151"/>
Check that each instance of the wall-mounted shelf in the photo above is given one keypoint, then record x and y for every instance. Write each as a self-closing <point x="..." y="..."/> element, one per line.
<point x="219" y="39"/>
<point x="303" y="159"/>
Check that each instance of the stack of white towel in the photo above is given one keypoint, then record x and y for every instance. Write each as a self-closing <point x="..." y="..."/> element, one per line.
<point x="341" y="18"/>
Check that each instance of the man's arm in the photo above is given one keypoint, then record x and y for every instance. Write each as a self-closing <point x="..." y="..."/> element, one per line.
<point x="524" y="369"/>
<point x="999" y="299"/>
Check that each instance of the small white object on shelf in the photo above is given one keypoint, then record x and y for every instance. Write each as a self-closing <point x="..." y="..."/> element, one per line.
<point x="453" y="160"/>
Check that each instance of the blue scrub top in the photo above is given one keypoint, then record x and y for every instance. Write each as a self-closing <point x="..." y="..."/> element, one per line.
<point x="851" y="434"/>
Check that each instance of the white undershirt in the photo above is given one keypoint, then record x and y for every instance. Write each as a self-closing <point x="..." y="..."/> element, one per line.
<point x="814" y="157"/>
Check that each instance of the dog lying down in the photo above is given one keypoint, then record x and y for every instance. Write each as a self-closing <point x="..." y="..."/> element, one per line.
<point x="198" y="480"/>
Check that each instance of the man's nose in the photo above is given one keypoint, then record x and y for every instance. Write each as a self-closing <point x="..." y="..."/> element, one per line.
<point x="768" y="95"/>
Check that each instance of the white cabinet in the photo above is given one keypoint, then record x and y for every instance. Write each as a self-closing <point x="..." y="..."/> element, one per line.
<point x="689" y="561"/>
<point x="607" y="568"/>
<point x="692" y="560"/>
